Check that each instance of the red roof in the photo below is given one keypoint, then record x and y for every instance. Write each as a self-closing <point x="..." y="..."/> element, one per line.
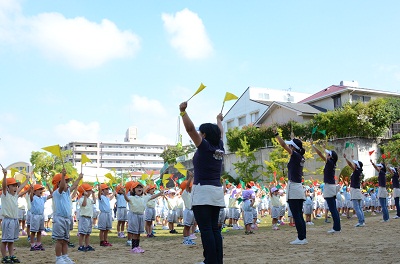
<point x="333" y="89"/>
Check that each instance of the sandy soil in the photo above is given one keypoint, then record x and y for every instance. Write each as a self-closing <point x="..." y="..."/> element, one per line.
<point x="375" y="243"/>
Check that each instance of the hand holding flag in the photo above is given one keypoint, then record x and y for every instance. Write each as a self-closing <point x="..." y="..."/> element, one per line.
<point x="228" y="97"/>
<point x="201" y="88"/>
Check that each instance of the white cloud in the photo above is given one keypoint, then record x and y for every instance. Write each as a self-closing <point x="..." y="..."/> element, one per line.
<point x="13" y="149"/>
<point x="147" y="106"/>
<point x="188" y="34"/>
<point x="78" y="131"/>
<point x="77" y="41"/>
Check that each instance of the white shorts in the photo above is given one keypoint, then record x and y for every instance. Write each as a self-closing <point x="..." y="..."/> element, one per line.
<point x="61" y="228"/>
<point x="149" y="214"/>
<point x="135" y="223"/>
<point x="85" y="225"/>
<point x="172" y="217"/>
<point x="10" y="230"/>
<point x="122" y="214"/>
<point x="105" y="221"/>
<point x="275" y="212"/>
<point x="37" y="223"/>
<point x="21" y="214"/>
<point x="188" y="217"/>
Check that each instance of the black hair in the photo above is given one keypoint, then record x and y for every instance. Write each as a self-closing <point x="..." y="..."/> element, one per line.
<point x="300" y="145"/>
<point x="334" y="156"/>
<point x="212" y="131"/>
<point x="361" y="165"/>
<point x="383" y="167"/>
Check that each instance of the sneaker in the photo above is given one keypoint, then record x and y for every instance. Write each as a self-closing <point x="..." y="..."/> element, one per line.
<point x="6" y="260"/>
<point x="282" y="223"/>
<point x="60" y="261"/>
<point x="396" y="217"/>
<point x="71" y="245"/>
<point x="235" y="227"/>
<point x="96" y="226"/>
<point x="45" y="234"/>
<point x="107" y="244"/>
<point x="68" y="260"/>
<point x="89" y="248"/>
<point x="310" y="223"/>
<point x="333" y="231"/>
<point x="40" y="247"/>
<point x="173" y="231"/>
<point x="103" y="244"/>
<point x="292" y="224"/>
<point x="248" y="232"/>
<point x="188" y="242"/>
<point x="150" y="235"/>
<point x="141" y="249"/>
<point x="344" y="215"/>
<point x="128" y="243"/>
<point x="82" y="248"/>
<point x="384" y="221"/>
<point x="14" y="259"/>
<point x="33" y="248"/>
<point x="359" y="225"/>
<point x="136" y="250"/>
<point x="197" y="230"/>
<point x="299" y="242"/>
<point x="165" y="228"/>
<point x="23" y="234"/>
<point x="275" y="228"/>
<point x="193" y="236"/>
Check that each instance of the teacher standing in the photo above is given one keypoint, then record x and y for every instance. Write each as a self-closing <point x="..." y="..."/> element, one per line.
<point x="207" y="191"/>
<point x="295" y="191"/>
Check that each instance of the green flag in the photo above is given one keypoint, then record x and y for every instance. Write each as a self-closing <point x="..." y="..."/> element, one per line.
<point x="240" y="199"/>
<point x="323" y="132"/>
<point x="179" y="181"/>
<point x="346" y="145"/>
<point x="158" y="182"/>
<point x="314" y="130"/>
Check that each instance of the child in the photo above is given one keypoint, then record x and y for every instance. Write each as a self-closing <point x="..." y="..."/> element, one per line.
<point x="188" y="216"/>
<point x="171" y="204"/>
<point x="121" y="211"/>
<point x="137" y="204"/>
<point x="275" y="208"/>
<point x="37" y="216"/>
<point x="248" y="202"/>
<point x="150" y="211"/>
<point x="10" y="224"/>
<point x="85" y="216"/>
<point x="105" y="217"/>
<point x="308" y="207"/>
<point x="62" y="214"/>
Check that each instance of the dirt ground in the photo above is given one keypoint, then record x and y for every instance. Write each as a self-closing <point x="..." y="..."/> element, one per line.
<point x="375" y="243"/>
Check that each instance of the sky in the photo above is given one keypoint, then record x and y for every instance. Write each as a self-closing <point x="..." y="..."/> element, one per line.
<point x="73" y="70"/>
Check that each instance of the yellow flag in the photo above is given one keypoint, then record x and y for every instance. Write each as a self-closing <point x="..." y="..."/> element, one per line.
<point x="80" y="182"/>
<point x="38" y="177"/>
<point x="55" y="150"/>
<point x="179" y="166"/>
<point x="165" y="179"/>
<point x="144" y="177"/>
<point x="230" y="96"/>
<point x="13" y="171"/>
<point x="201" y="88"/>
<point x="84" y="159"/>
<point x="111" y="178"/>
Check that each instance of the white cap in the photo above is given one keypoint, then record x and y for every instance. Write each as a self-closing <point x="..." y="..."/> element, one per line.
<point x="356" y="162"/>
<point x="379" y="165"/>
<point x="290" y="142"/>
<point x="328" y="152"/>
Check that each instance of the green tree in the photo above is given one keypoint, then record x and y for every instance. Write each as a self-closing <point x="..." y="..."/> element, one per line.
<point x="246" y="168"/>
<point x="47" y="165"/>
<point x="172" y="152"/>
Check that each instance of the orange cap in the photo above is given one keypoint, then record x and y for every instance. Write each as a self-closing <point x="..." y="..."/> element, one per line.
<point x="37" y="187"/>
<point x="12" y="181"/>
<point x="85" y="187"/>
<point x="104" y="186"/>
<point x="136" y="184"/>
<point x="128" y="186"/>
<point x="57" y="178"/>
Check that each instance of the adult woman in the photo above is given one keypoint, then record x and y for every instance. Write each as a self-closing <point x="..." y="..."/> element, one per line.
<point x="295" y="190"/>
<point x="382" y="192"/>
<point x="355" y="191"/>
<point x="207" y="191"/>
<point x="330" y="191"/>
<point x="396" y="190"/>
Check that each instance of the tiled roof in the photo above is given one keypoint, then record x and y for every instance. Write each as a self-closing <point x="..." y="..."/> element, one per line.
<point x="331" y="90"/>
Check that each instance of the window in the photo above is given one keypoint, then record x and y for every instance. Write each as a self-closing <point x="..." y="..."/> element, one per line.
<point x="242" y="121"/>
<point x="229" y="124"/>
<point x="361" y="98"/>
<point x="263" y="96"/>
<point x="254" y="117"/>
<point x="337" y="101"/>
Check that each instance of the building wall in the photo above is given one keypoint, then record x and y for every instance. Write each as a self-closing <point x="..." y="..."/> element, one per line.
<point x="126" y="156"/>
